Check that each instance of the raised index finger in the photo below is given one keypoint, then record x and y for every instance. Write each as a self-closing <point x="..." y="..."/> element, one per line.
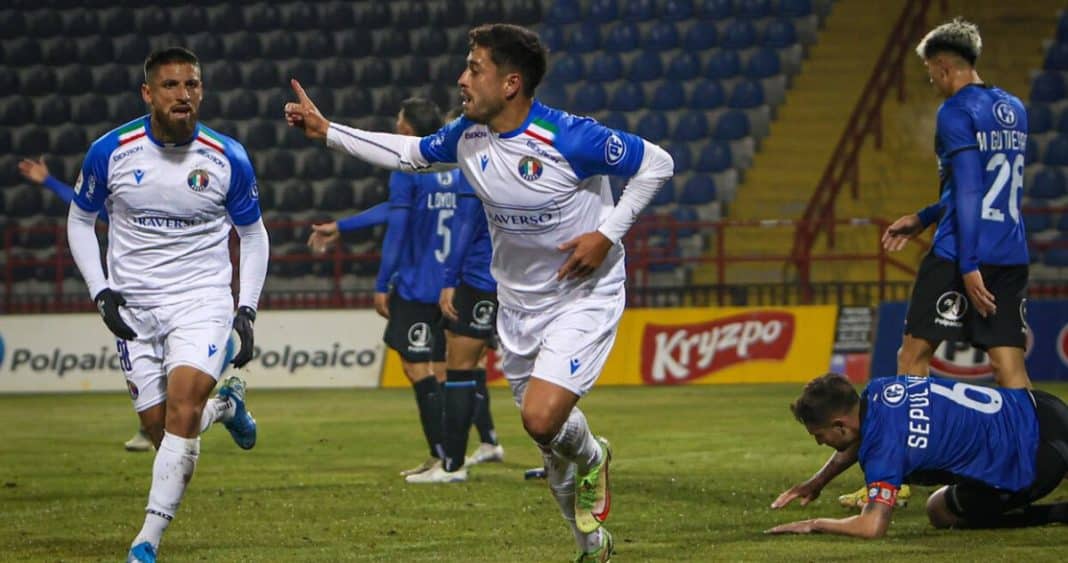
<point x="299" y="90"/>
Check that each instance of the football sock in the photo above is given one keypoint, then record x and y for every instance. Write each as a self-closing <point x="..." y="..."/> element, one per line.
<point x="561" y="476"/>
<point x="431" y="414"/>
<point x="171" y="471"/>
<point x="216" y="409"/>
<point x="576" y="443"/>
<point x="460" y="404"/>
<point x="483" y="416"/>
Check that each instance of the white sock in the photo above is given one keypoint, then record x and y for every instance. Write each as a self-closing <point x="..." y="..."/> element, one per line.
<point x="216" y="410"/>
<point x="576" y="443"/>
<point x="175" y="462"/>
<point x="561" y="476"/>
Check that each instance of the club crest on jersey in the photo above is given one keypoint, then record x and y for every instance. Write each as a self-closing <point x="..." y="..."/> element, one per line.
<point x="1004" y="113"/>
<point x="198" y="180"/>
<point x="530" y="168"/>
<point x="894" y="394"/>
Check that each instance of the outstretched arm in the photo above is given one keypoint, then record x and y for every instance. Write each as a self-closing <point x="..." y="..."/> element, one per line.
<point x="871" y="523"/>
<point x="810" y="489"/>
<point x="37" y="172"/>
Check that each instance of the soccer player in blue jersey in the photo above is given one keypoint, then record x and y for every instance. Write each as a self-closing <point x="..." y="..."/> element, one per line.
<point x="542" y="176"/>
<point x="418" y="241"/>
<point x="1000" y="449"/>
<point x="173" y="189"/>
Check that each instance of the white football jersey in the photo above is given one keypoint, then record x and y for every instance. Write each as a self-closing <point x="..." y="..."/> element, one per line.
<point x="170" y="210"/>
<point x="542" y="185"/>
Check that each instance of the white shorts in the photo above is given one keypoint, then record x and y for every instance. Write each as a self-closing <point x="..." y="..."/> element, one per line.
<point x="566" y="345"/>
<point x="191" y="333"/>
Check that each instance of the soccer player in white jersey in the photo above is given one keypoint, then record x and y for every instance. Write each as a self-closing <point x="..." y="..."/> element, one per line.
<point x="172" y="188"/>
<point x="557" y="256"/>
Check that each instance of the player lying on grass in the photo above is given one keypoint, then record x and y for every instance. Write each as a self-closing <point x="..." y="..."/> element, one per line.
<point x="1000" y="449"/>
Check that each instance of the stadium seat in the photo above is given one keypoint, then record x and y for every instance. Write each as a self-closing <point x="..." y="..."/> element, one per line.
<point x="353" y="44"/>
<point x="151" y="21"/>
<point x="337" y="196"/>
<point x="190" y="17"/>
<point x="1037" y="222"/>
<point x="676" y="10"/>
<point x="628" y="96"/>
<point x="1048" y="87"/>
<point x="336" y="72"/>
<point x="280" y="45"/>
<point x="353" y="103"/>
<point x="623" y="37"/>
<point x="639" y="10"/>
<point x="259" y="74"/>
<point x="683" y="66"/>
<point x="1062" y="28"/>
<point x="87" y="109"/>
<point x="388" y="103"/>
<point x="1039" y="119"/>
<point x="652" y="126"/>
<point x="15" y="110"/>
<point x="207" y="46"/>
<point x="1031" y="153"/>
<point x="59" y="51"/>
<point x="553" y="95"/>
<point x="700" y="38"/>
<point x="646" y="66"/>
<point x="241" y="104"/>
<point x="668" y="96"/>
<point x="780" y="33"/>
<point x="244" y="46"/>
<point x="315" y="165"/>
<point x="279" y="165"/>
<point x="698" y="190"/>
<point x="262" y="17"/>
<point x="752" y="8"/>
<point x="388" y="43"/>
<point x="552" y="38"/>
<point x="430" y="42"/>
<point x="732" y="125"/>
<point x="22" y="52"/>
<point x="336" y="15"/>
<point x="6" y="146"/>
<point x="568" y="69"/>
<point x="12" y="23"/>
<point x="1062" y="225"/>
<point x="714" y="157"/>
<point x="38" y="81"/>
<point x="131" y="49"/>
<point x="305" y="71"/>
<point x="43" y="23"/>
<point x="9" y="175"/>
<point x="259" y="135"/>
<point x="25" y="201"/>
<point x="616" y="120"/>
<point x="606" y="67"/>
<point x="707" y="94"/>
<point x="682" y="155"/>
<point x="1048" y="183"/>
<point x="96" y="50"/>
<point x="746" y="94"/>
<point x="297" y="196"/>
<point x="583" y="38"/>
<point x="795" y="8"/>
<point x="1057" y="57"/>
<point x="564" y="12"/>
<point x="764" y="63"/>
<point x="9" y="79"/>
<point x="1057" y="151"/>
<point x="222" y="75"/>
<point x="603" y="11"/>
<point x="411" y="71"/>
<point x="661" y="36"/>
<point x="1062" y="124"/>
<point x="315" y="45"/>
<point x="523" y="12"/>
<point x="739" y="34"/>
<point x="723" y="64"/>
<point x="691" y="126"/>
<point x="682" y="215"/>
<point x="588" y="98"/>
<point x="408" y="15"/>
<point x="666" y="195"/>
<point x="52" y="110"/>
<point x="1056" y="257"/>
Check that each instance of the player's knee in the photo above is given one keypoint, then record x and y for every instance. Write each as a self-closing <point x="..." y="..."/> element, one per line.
<point x="938" y="510"/>
<point x="539" y="425"/>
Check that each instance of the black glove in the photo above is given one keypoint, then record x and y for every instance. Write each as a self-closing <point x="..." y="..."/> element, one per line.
<point x="243" y="321"/>
<point x="108" y="303"/>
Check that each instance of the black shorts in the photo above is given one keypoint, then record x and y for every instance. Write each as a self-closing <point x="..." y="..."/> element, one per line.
<point x="939" y="308"/>
<point x="980" y="502"/>
<point x="414" y="330"/>
<point x="477" y="313"/>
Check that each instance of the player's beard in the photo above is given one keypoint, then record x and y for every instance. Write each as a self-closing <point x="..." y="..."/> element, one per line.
<point x="482" y="112"/>
<point x="175" y="129"/>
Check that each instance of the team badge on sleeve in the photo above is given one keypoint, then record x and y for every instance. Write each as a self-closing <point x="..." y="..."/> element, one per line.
<point x="882" y="493"/>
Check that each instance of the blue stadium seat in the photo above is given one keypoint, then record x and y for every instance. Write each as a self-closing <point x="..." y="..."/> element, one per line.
<point x="225" y="18"/>
<point x="676" y="10"/>
<point x="315" y="165"/>
<point x="190" y="17"/>
<point x="279" y="165"/>
<point x="22" y="52"/>
<point x="131" y="49"/>
<point x="243" y="46"/>
<point x="280" y="45"/>
<point x="374" y="71"/>
<point x="661" y="36"/>
<point x="430" y="42"/>
<point x="588" y="98"/>
<point x="352" y="102"/>
<point x="59" y="51"/>
<point x="15" y="110"/>
<point x="223" y="75"/>
<point x="1039" y="119"/>
<point x="262" y="74"/>
<point x="553" y="94"/>
<point x="412" y="71"/>
<point x="43" y="23"/>
<point x="259" y="135"/>
<point x="1056" y="257"/>
<point x="714" y="157"/>
<point x="780" y="33"/>
<point x="603" y="11"/>
<point x="606" y="67"/>
<point x="646" y="66"/>
<point x="484" y="12"/>
<point x="1037" y="222"/>
<point x="1048" y="183"/>
<point x="86" y="109"/>
<point x="1062" y="28"/>
<point x="723" y="64"/>
<point x="739" y="34"/>
<point x="628" y="96"/>
<point x="1062" y="123"/>
<point x="1048" y="87"/>
<point x="391" y="44"/>
<point x="652" y="126"/>
<point x="698" y="190"/>
<point x="732" y="125"/>
<point x="96" y="50"/>
<point x="523" y="12"/>
<point x="70" y="140"/>
<point x="1057" y="151"/>
<point x="354" y="44"/>
<point x="691" y="126"/>
<point x="52" y="110"/>
<point x="682" y="215"/>
<point x="207" y="46"/>
<point x="1057" y="57"/>
<point x="583" y="38"/>
<point x="752" y="8"/>
<point x="746" y="94"/>
<point x="568" y="69"/>
<point x="297" y="196"/>
<point x="639" y="10"/>
<point x="795" y="8"/>
<point x="714" y="9"/>
<point x="1031" y="153"/>
<point x="263" y="17"/>
<point x="315" y="44"/>
<point x="552" y="38"/>
<point x="1062" y="224"/>
<point x="32" y="141"/>
<point x="40" y="80"/>
<point x="151" y="21"/>
<point x="241" y="104"/>
<point x="707" y="94"/>
<point x="564" y="12"/>
<point x="668" y="96"/>
<point x="408" y="15"/>
<point x="129" y="105"/>
<point x="666" y="195"/>
<point x="764" y="63"/>
<point x="336" y="16"/>
<point x="616" y="120"/>
<point x="682" y="155"/>
<point x="683" y="66"/>
<point x="25" y="201"/>
<point x="337" y="196"/>
<point x="623" y="37"/>
<point x="389" y="103"/>
<point x="700" y="38"/>
<point x="73" y="80"/>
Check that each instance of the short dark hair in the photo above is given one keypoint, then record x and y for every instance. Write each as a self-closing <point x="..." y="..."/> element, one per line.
<point x="422" y="114"/>
<point x="167" y="55"/>
<point x="824" y="398"/>
<point x="515" y="48"/>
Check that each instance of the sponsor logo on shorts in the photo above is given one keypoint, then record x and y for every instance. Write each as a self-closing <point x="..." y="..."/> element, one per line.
<point x="951" y="307"/>
<point x="482" y="314"/>
<point x="1023" y="316"/>
<point x="681" y="353"/>
<point x="212" y="349"/>
<point x="575" y="365"/>
<point x="419" y="337"/>
<point x="894" y="394"/>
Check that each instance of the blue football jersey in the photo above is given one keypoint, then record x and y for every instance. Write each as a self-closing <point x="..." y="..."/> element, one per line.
<point x="994" y="123"/>
<point x="478" y="252"/>
<point x="931" y="424"/>
<point x="430" y="200"/>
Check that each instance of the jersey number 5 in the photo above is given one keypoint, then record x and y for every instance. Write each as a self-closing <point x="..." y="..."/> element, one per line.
<point x="446" y="235"/>
<point x="1006" y="170"/>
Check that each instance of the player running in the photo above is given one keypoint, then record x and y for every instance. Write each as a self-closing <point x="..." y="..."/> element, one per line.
<point x="1002" y="450"/>
<point x="557" y="257"/>
<point x="173" y="188"/>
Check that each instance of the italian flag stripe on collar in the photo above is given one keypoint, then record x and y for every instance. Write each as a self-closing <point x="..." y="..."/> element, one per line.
<point x="131" y="132"/>
<point x="210" y="140"/>
<point x="542" y="130"/>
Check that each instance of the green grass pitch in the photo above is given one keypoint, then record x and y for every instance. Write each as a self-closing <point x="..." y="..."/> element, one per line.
<point x="695" y="470"/>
